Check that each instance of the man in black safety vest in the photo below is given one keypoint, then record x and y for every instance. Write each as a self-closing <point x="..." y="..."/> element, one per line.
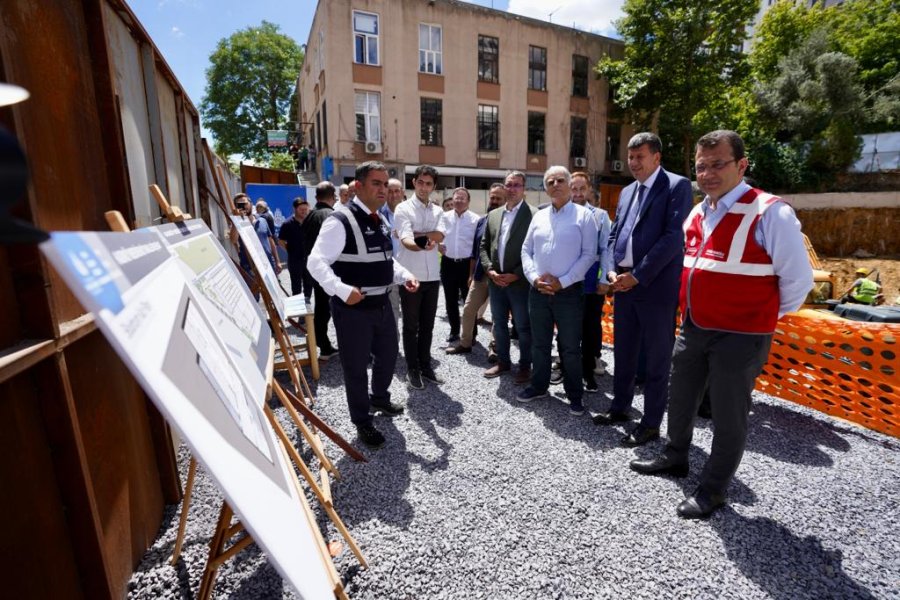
<point x="352" y="261"/>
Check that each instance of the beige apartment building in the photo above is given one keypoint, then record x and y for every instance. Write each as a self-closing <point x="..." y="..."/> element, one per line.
<point x="471" y="90"/>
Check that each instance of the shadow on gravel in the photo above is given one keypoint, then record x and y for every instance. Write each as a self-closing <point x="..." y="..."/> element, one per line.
<point x="791" y="436"/>
<point x="264" y="582"/>
<point x="428" y="411"/>
<point x="782" y="564"/>
<point x="376" y="490"/>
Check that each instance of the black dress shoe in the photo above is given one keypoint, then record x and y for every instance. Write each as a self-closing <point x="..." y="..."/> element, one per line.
<point x="640" y="436"/>
<point x="389" y="410"/>
<point x="701" y="505"/>
<point x="608" y="418"/>
<point x="370" y="436"/>
<point x="660" y="466"/>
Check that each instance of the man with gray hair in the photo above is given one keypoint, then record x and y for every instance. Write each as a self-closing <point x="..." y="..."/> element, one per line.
<point x="559" y="248"/>
<point x="647" y="247"/>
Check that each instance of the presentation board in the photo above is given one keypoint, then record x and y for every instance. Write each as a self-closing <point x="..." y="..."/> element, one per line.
<point x="287" y="307"/>
<point x="158" y="299"/>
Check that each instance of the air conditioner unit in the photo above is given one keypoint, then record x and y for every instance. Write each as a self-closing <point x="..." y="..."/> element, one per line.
<point x="580" y="161"/>
<point x="617" y="165"/>
<point x="373" y="147"/>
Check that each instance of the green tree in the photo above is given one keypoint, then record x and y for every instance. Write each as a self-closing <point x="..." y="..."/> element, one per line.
<point x="680" y="57"/>
<point x="281" y="161"/>
<point x="249" y="83"/>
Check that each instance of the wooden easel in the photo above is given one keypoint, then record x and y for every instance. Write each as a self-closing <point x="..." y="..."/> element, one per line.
<point x="295" y="406"/>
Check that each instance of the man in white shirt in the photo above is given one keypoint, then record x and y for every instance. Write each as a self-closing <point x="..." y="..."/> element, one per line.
<point x="420" y="227"/>
<point x="560" y="246"/>
<point x="352" y="261"/>
<point x="459" y="224"/>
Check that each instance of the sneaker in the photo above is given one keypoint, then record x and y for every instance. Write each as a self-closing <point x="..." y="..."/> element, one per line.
<point x="576" y="407"/>
<point x="600" y="369"/>
<point x="431" y="376"/>
<point x="529" y="394"/>
<point x="590" y="384"/>
<point x="414" y="378"/>
<point x="327" y="353"/>
<point x="556" y="377"/>
<point x="370" y="436"/>
<point x="389" y="410"/>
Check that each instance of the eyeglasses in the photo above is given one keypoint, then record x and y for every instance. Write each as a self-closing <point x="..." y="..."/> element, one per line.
<point x="555" y="181"/>
<point x="714" y="167"/>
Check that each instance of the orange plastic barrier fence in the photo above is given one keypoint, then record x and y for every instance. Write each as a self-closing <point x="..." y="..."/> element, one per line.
<point x="846" y="369"/>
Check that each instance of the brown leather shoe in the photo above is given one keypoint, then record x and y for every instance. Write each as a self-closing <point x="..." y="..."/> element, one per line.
<point x="496" y="371"/>
<point x="459" y="349"/>
<point x="523" y="376"/>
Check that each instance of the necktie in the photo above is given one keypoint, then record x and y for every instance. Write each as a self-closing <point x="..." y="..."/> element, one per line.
<point x="628" y="226"/>
<point x="375" y="219"/>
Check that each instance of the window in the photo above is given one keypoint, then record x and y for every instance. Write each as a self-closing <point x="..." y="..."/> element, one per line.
<point x="578" y="140"/>
<point x="431" y="111"/>
<point x="537" y="68"/>
<point x="324" y="141"/>
<point x="430" y="49"/>
<point x="368" y="117"/>
<point x="320" y="51"/>
<point x="488" y="128"/>
<point x="488" y="59"/>
<point x="365" y="38"/>
<point x="579" y="76"/>
<point x="536" y="133"/>
<point x="613" y="136"/>
<point x="317" y="138"/>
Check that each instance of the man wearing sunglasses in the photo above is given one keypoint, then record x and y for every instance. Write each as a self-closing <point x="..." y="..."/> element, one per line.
<point x="745" y="266"/>
<point x="647" y="247"/>
<point x="559" y="248"/>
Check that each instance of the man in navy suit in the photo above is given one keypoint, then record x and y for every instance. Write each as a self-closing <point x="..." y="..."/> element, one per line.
<point x="647" y="249"/>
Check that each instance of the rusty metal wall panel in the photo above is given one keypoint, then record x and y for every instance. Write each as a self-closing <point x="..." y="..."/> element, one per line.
<point x="125" y="54"/>
<point x="168" y="114"/>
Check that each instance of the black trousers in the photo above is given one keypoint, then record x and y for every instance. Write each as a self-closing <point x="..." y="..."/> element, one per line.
<point x="364" y="332"/>
<point x="419" y="309"/>
<point x="729" y="363"/>
<point x="321" y="316"/>
<point x="301" y="280"/>
<point x="591" y="332"/>
<point x="455" y="279"/>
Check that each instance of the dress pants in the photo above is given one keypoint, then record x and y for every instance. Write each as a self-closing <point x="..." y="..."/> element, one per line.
<point x="591" y="332"/>
<point x="512" y="298"/>
<point x="363" y="332"/>
<point x="729" y="363"/>
<point x="301" y="280"/>
<point x="419" y="309"/>
<point x="455" y="279"/>
<point x="475" y="302"/>
<point x="321" y="316"/>
<point x="643" y="324"/>
<point x="565" y="309"/>
<point x="394" y="296"/>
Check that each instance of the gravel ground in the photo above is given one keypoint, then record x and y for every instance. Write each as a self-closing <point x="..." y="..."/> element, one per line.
<point x="478" y="496"/>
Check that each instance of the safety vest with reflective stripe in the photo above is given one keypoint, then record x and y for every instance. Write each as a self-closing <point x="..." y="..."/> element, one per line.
<point x="366" y="261"/>
<point x="866" y="292"/>
<point x="728" y="282"/>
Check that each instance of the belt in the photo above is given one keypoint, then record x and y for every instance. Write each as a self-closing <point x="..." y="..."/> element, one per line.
<point x="458" y="260"/>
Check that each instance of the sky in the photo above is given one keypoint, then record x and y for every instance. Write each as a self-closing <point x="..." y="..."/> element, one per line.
<point x="187" y="31"/>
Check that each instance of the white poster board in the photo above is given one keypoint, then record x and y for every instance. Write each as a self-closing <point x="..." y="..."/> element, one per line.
<point x="154" y="318"/>
<point x="287" y="307"/>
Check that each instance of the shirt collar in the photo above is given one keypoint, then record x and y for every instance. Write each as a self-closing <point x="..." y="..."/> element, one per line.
<point x="728" y="200"/>
<point x="515" y="208"/>
<point x="359" y="203"/>
<point x="652" y="179"/>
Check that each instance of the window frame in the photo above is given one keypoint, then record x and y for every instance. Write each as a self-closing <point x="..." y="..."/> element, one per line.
<point x="438" y="64"/>
<point x="436" y="119"/>
<point x="572" y="133"/>
<point x="367" y="37"/>
<point x="372" y="120"/>
<point x="488" y="126"/>
<point x="537" y="67"/>
<point x="580" y="77"/>
<point x="488" y="57"/>
<point x="537" y="140"/>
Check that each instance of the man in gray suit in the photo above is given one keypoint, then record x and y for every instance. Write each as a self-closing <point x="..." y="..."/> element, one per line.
<point x="501" y="249"/>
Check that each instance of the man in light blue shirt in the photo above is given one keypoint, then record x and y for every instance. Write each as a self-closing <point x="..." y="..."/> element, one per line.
<point x="559" y="248"/>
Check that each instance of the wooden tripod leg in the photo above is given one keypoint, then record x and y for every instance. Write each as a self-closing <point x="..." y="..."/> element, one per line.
<point x="215" y="549"/>
<point x="314" y="486"/>
<point x="313" y="439"/>
<point x="318" y="423"/>
<point x="185" y="506"/>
